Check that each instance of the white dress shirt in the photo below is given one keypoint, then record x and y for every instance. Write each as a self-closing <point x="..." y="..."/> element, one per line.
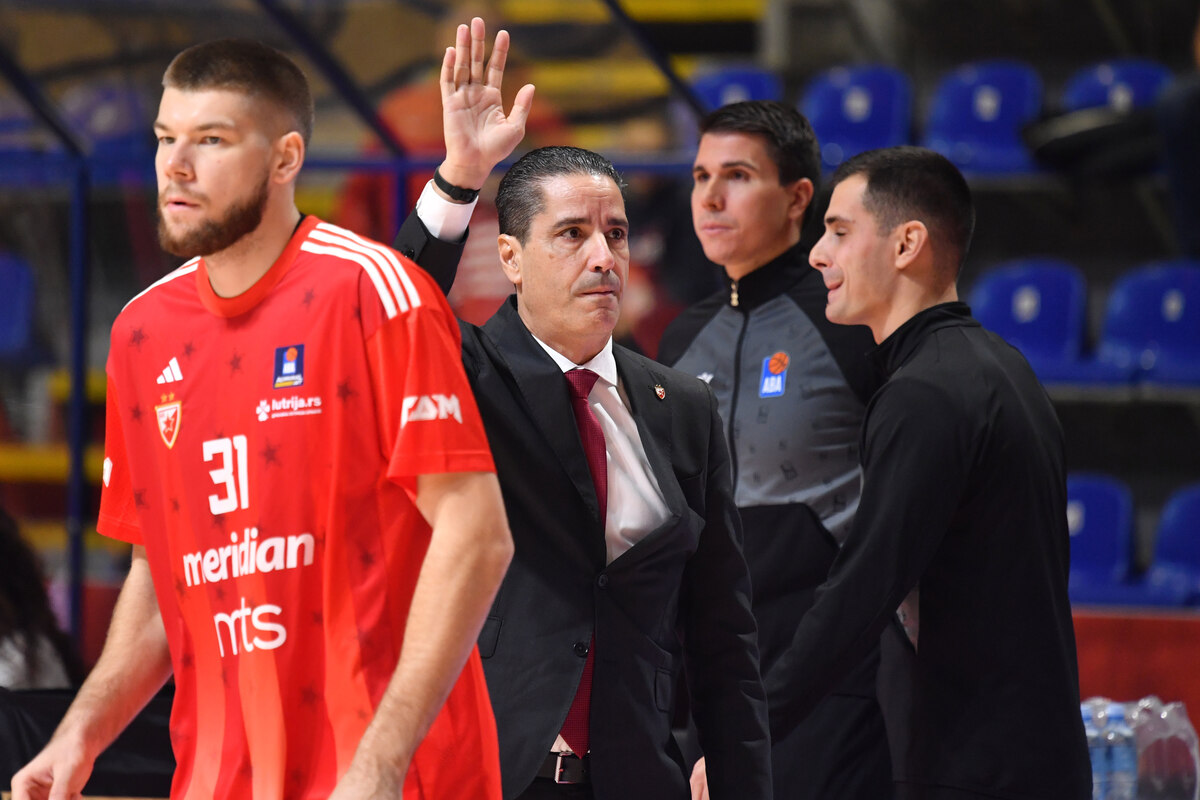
<point x="635" y="503"/>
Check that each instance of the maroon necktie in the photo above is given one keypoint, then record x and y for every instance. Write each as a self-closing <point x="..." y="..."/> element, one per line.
<point x="580" y="382"/>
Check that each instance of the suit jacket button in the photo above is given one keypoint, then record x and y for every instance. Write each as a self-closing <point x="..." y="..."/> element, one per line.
<point x="581" y="649"/>
<point x="602" y="581"/>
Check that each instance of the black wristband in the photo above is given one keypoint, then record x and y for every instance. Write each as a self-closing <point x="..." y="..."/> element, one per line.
<point x="456" y="193"/>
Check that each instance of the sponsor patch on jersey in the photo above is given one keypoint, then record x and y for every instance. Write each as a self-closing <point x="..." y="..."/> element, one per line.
<point x="169" y="415"/>
<point x="418" y="408"/>
<point x="289" y="366"/>
<point x="774" y="375"/>
<point x="292" y="406"/>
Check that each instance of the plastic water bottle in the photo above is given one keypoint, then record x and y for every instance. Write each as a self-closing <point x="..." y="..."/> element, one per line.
<point x="1097" y="752"/>
<point x="1153" y="734"/>
<point x="1122" y="756"/>
<point x="1187" y="751"/>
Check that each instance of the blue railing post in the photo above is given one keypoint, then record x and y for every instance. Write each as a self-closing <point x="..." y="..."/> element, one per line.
<point x="77" y="432"/>
<point x="78" y="269"/>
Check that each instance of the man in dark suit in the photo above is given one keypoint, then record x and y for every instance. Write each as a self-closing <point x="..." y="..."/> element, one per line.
<point x="628" y="564"/>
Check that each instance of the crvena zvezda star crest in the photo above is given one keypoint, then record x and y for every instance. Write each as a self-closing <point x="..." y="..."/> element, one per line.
<point x="168" y="415"/>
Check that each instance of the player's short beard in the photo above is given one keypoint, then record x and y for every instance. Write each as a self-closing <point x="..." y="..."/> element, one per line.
<point x="215" y="235"/>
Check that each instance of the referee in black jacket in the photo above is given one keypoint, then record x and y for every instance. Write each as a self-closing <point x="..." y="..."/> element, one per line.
<point x="961" y="528"/>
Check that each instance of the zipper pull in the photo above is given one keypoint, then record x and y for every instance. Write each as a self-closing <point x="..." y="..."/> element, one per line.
<point x="733" y="295"/>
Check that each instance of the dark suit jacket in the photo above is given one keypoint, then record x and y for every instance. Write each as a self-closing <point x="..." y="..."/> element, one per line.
<point x="678" y="600"/>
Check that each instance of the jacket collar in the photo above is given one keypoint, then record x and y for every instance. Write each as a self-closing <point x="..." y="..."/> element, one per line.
<point x="770" y="280"/>
<point x="894" y="351"/>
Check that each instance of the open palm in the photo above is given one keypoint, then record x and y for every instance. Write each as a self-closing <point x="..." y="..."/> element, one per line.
<point x="478" y="133"/>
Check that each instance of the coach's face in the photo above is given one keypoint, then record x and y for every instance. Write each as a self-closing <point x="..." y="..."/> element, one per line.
<point x="571" y="270"/>
<point x="213" y="162"/>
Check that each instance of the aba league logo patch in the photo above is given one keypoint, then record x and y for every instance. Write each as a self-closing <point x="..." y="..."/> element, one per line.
<point x="774" y="375"/>
<point x="169" y="415"/>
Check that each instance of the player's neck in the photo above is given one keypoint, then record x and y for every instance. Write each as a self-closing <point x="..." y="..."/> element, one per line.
<point x="239" y="266"/>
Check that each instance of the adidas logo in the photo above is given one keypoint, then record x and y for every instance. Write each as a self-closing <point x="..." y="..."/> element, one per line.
<point x="171" y="373"/>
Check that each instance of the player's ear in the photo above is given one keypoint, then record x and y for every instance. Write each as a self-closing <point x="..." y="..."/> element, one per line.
<point x="289" y="157"/>
<point x="510" y="257"/>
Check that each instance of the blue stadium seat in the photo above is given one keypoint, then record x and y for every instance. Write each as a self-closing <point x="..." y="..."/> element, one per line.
<point x="1039" y="307"/>
<point x="1175" y="571"/>
<point x="735" y="84"/>
<point x="1153" y="323"/>
<point x="1100" y="521"/>
<point x="16" y="323"/>
<point x="116" y="121"/>
<point x="1122" y="85"/>
<point x="858" y="108"/>
<point x="109" y="114"/>
<point x="977" y="114"/>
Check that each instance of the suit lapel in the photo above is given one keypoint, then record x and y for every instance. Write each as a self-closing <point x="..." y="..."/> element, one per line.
<point x="544" y="393"/>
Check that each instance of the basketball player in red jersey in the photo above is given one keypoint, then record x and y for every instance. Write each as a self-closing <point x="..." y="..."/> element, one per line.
<point x="294" y="452"/>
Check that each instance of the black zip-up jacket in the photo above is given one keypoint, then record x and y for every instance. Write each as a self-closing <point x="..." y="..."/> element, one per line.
<point x="964" y="499"/>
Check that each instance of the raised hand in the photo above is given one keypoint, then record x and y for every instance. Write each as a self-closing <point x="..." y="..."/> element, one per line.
<point x="478" y="133"/>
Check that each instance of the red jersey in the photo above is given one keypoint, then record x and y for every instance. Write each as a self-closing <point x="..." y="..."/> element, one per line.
<point x="265" y="449"/>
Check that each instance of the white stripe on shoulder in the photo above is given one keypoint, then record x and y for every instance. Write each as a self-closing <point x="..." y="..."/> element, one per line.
<point x="389" y="257"/>
<point x="384" y="269"/>
<point x="187" y="269"/>
<point x="368" y="265"/>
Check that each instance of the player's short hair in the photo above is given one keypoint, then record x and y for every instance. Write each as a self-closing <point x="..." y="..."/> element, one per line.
<point x="520" y="197"/>
<point x="791" y="142"/>
<point x="913" y="183"/>
<point x="250" y="67"/>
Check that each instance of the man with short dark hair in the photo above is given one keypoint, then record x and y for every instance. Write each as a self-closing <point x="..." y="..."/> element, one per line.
<point x="628" y="566"/>
<point x="294" y="452"/>
<point x="792" y="389"/>
<point x="961" y="529"/>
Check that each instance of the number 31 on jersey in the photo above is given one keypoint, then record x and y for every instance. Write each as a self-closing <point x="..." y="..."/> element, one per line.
<point x="230" y="474"/>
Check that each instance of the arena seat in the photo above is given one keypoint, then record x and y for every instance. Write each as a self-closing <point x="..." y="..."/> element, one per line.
<point x="1039" y="307"/>
<point x="977" y="113"/>
<point x="110" y="114"/>
<point x="1153" y="323"/>
<point x="115" y="120"/>
<point x="734" y="84"/>
<point x="1100" y="521"/>
<point x="1122" y="85"/>
<point x="1175" y="570"/>
<point x="857" y="108"/>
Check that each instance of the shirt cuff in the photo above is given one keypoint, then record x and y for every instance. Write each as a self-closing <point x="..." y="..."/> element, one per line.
<point x="443" y="219"/>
